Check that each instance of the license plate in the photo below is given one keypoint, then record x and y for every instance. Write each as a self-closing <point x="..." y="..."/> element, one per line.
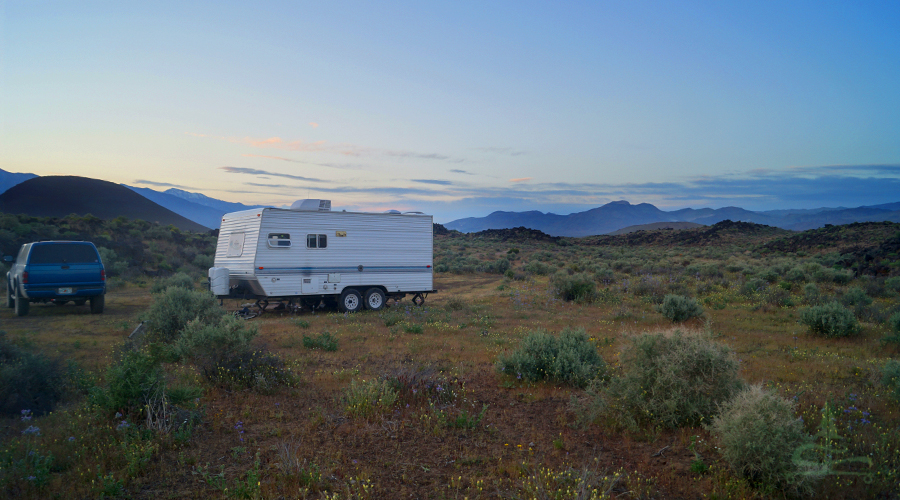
<point x="65" y="291"/>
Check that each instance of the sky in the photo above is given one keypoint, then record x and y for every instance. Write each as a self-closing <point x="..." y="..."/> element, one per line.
<point x="459" y="109"/>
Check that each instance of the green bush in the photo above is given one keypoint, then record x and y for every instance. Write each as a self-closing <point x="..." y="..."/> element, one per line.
<point x="677" y="308"/>
<point x="855" y="296"/>
<point x="324" y="341"/>
<point x="130" y="383"/>
<point x="570" y="358"/>
<point x="179" y="280"/>
<point x="893" y="284"/>
<point x="368" y="398"/>
<point x="811" y="293"/>
<point x="175" y="307"/>
<point x="211" y="344"/>
<point x="578" y="286"/>
<point x="671" y="379"/>
<point x="536" y="267"/>
<point x="758" y="435"/>
<point x="894" y="322"/>
<point x="830" y="320"/>
<point x="28" y="381"/>
<point x="890" y="377"/>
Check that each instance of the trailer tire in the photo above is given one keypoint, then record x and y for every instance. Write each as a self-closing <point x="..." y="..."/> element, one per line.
<point x="350" y="301"/>
<point x="22" y="304"/>
<point x="375" y="299"/>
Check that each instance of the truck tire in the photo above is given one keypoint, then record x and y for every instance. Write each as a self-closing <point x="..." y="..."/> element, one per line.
<point x="374" y="299"/>
<point x="22" y="304"/>
<point x="97" y="303"/>
<point x="10" y="298"/>
<point x="350" y="301"/>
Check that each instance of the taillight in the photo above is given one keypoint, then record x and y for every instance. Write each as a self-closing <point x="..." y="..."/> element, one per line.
<point x="103" y="275"/>
<point x="24" y="276"/>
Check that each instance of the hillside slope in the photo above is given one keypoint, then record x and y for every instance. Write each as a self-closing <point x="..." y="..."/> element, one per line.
<point x="59" y="196"/>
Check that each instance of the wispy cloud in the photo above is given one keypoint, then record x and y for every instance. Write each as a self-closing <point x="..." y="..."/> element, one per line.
<point x="520" y="179"/>
<point x="343" y="166"/>
<point x="313" y="124"/>
<point x="458" y="171"/>
<point x="253" y="171"/>
<point x="433" y="181"/>
<point x="161" y="184"/>
<point x="501" y="151"/>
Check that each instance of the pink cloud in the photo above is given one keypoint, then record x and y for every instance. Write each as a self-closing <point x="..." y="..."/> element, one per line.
<point x="313" y="124"/>
<point x="521" y="179"/>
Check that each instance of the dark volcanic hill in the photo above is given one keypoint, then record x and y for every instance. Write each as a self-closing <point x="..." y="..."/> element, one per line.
<point x="59" y="196"/>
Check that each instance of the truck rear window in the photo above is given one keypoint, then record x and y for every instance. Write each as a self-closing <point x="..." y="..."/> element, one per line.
<point x="63" y="253"/>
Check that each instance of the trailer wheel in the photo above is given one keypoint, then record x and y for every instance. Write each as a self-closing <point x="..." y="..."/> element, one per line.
<point x="350" y="301"/>
<point x="374" y="299"/>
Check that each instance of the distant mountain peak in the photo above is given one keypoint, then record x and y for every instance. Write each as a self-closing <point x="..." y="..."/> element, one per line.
<point x="620" y="202"/>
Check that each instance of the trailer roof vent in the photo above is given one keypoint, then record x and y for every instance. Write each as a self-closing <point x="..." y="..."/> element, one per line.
<point x="312" y="205"/>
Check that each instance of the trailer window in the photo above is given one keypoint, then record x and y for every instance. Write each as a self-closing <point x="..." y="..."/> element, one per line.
<point x="316" y="241"/>
<point x="279" y="240"/>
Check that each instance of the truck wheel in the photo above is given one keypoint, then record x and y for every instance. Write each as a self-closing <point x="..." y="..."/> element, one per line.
<point x="10" y="298"/>
<point x="97" y="303"/>
<point x="350" y="301"/>
<point x="22" y="304"/>
<point x="374" y="299"/>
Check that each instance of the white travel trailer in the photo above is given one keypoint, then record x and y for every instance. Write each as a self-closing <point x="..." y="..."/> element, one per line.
<point x="308" y="254"/>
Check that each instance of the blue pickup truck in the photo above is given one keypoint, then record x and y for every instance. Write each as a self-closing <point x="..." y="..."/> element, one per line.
<point x="57" y="272"/>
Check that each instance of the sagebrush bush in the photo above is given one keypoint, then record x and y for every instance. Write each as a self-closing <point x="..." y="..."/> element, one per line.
<point x="175" y="307"/>
<point x="830" y="320"/>
<point x="894" y="322"/>
<point x="855" y="296"/>
<point x="578" y="286"/>
<point x="893" y="284"/>
<point x="677" y="308"/>
<point x="424" y="384"/>
<point x="536" y="267"/>
<point x="130" y="383"/>
<point x="179" y="280"/>
<point x="890" y="377"/>
<point x="28" y="381"/>
<point x="758" y="434"/>
<point x="570" y="358"/>
<point x="671" y="379"/>
<point x="211" y="344"/>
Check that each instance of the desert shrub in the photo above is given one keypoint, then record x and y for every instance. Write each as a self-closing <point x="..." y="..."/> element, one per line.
<point x="414" y="328"/>
<point x="578" y="286"/>
<point x="28" y="381"/>
<point x="210" y="344"/>
<point x="179" y="280"/>
<point x="753" y="285"/>
<point x="830" y="320"/>
<point x="671" y="379"/>
<point x="894" y="324"/>
<point x="423" y="385"/>
<point x="259" y="370"/>
<point x="204" y="261"/>
<point x="677" y="308"/>
<point x="455" y="304"/>
<point x="536" y="267"/>
<point x="890" y="377"/>
<point x="795" y="275"/>
<point x="175" y="307"/>
<point x="368" y="398"/>
<point x="811" y="293"/>
<point x="842" y="277"/>
<point x="855" y="296"/>
<point x="130" y="383"/>
<point x="893" y="284"/>
<point x="770" y="275"/>
<point x="758" y="435"/>
<point x="570" y="358"/>
<point x="324" y="341"/>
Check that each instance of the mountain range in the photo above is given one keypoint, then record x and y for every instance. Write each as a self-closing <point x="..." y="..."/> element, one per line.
<point x="621" y="214"/>
<point x="198" y="212"/>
